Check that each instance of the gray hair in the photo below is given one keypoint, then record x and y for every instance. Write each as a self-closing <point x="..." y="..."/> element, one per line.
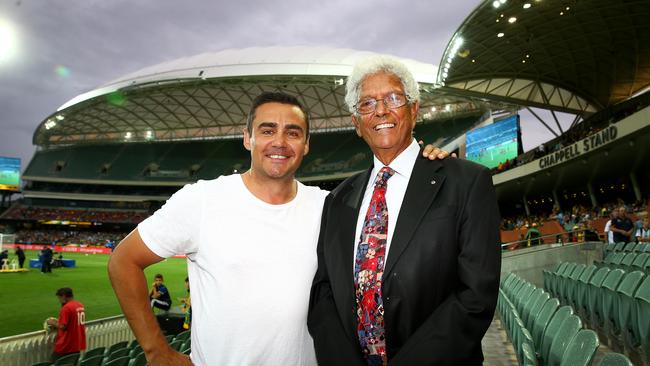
<point x="372" y="65"/>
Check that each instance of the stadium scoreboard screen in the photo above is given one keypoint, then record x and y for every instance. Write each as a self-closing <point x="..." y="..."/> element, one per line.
<point x="9" y="174"/>
<point x="495" y="143"/>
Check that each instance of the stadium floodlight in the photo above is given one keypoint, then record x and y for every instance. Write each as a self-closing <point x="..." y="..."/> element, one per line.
<point x="500" y="34"/>
<point x="128" y="135"/>
<point x="503" y="1"/>
<point x="7" y="40"/>
<point x="526" y="5"/>
<point x="49" y="124"/>
<point x="433" y="109"/>
<point x="496" y="4"/>
<point x="59" y="117"/>
<point x="512" y="20"/>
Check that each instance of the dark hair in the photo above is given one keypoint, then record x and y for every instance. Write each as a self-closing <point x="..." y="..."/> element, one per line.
<point x="64" y="291"/>
<point x="274" y="97"/>
<point x="158" y="275"/>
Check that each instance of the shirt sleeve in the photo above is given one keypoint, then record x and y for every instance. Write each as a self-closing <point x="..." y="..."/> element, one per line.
<point x="64" y="317"/>
<point x="175" y="227"/>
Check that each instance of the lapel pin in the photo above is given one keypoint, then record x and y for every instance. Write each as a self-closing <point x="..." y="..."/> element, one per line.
<point x="433" y="182"/>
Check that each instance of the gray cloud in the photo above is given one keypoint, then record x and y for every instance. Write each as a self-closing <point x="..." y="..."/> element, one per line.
<point x="98" y="41"/>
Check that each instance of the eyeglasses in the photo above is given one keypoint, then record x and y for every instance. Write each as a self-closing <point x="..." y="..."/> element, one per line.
<point x="391" y="101"/>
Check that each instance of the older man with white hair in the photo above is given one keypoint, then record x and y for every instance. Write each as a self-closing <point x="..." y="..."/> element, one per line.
<point x="408" y="254"/>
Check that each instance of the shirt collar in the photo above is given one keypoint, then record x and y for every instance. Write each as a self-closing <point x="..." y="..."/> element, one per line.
<point x="403" y="163"/>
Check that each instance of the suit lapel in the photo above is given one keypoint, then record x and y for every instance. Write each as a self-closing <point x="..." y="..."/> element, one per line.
<point x="422" y="189"/>
<point x="348" y="211"/>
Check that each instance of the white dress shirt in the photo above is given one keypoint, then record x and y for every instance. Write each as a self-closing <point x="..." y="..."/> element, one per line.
<point x="395" y="190"/>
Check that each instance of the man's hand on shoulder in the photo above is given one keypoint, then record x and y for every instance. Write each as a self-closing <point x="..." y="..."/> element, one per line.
<point x="434" y="153"/>
<point x="167" y="357"/>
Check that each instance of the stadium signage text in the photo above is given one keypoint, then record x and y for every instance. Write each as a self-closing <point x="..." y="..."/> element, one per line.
<point x="587" y="144"/>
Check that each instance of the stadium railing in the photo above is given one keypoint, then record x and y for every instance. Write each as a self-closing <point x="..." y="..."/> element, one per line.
<point x="30" y="348"/>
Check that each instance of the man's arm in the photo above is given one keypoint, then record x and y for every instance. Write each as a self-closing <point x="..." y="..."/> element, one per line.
<point x="126" y="271"/>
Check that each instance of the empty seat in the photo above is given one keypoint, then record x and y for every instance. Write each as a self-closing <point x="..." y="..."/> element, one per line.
<point x="567" y="331"/>
<point x="535" y="309"/>
<point x="99" y="351"/>
<point x="527" y="303"/>
<point x="619" y="246"/>
<point x="551" y="332"/>
<point x="68" y="360"/>
<point x="115" y="347"/>
<point x="608" y="301"/>
<point x="541" y="321"/>
<point x="570" y="285"/>
<point x="615" y="359"/>
<point x="627" y="261"/>
<point x="629" y="246"/>
<point x="96" y="360"/>
<point x="642" y="298"/>
<point x="641" y="261"/>
<point x="528" y="355"/>
<point x="593" y="292"/>
<point x="580" y="291"/>
<point x="626" y="328"/>
<point x="118" y="353"/>
<point x="139" y="360"/>
<point x="120" y="361"/>
<point x="581" y="349"/>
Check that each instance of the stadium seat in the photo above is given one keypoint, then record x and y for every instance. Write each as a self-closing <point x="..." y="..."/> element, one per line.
<point x="528" y="302"/>
<point x="593" y="292"/>
<point x="541" y="321"/>
<point x="642" y="298"/>
<point x="69" y="360"/>
<point x="567" y="331"/>
<point x="628" y="332"/>
<point x="99" y="351"/>
<point x="170" y="338"/>
<point x="118" y="353"/>
<point x="570" y="284"/>
<point x="96" y="360"/>
<point x="135" y="351"/>
<point x="176" y="345"/>
<point x="615" y="359"/>
<point x="581" y="349"/>
<point x="187" y="345"/>
<point x="617" y="258"/>
<point x="639" y="248"/>
<point x="607" y="259"/>
<point x="133" y="344"/>
<point x="115" y="347"/>
<point x="183" y="336"/>
<point x="522" y="295"/>
<point x="641" y="261"/>
<point x="547" y="276"/>
<point x="647" y="248"/>
<point x="42" y="364"/>
<point x="535" y="309"/>
<point x="120" y="361"/>
<point x="139" y="360"/>
<point x="528" y="353"/>
<point x="629" y="247"/>
<point x="626" y="263"/>
<point x="561" y="281"/>
<point x="619" y="247"/>
<point x="580" y="295"/>
<point x="609" y="248"/>
<point x="608" y="301"/>
<point x="551" y="332"/>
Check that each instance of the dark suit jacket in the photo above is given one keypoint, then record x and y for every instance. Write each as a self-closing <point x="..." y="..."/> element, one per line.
<point x="441" y="278"/>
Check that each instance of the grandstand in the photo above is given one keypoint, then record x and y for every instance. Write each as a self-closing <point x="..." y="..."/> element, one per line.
<point x="113" y="155"/>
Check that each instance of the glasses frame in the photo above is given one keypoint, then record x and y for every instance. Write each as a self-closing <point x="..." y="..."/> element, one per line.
<point x="383" y="100"/>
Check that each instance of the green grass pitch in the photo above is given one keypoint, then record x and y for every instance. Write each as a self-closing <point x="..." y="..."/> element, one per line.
<point x="27" y="299"/>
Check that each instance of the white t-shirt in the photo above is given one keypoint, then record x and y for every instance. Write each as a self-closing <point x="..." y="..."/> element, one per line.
<point x="609" y="232"/>
<point x="250" y="265"/>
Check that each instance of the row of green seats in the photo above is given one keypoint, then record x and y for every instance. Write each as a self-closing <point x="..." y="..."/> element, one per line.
<point x="615" y="302"/>
<point x="627" y="261"/>
<point x="627" y="247"/>
<point x="542" y="331"/>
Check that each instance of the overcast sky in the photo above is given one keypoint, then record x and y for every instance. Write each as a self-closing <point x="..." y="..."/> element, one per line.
<point x="66" y="47"/>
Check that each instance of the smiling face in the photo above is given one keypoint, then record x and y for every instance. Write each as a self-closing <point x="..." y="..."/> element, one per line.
<point x="278" y="140"/>
<point x="387" y="131"/>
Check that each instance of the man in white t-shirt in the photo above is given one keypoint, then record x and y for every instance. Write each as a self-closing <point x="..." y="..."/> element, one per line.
<point x="250" y="240"/>
<point x="608" y="227"/>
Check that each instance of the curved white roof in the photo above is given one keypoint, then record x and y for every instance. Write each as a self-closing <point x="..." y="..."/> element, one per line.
<point x="208" y="95"/>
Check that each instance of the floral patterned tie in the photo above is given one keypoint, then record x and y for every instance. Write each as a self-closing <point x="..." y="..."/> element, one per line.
<point x="368" y="269"/>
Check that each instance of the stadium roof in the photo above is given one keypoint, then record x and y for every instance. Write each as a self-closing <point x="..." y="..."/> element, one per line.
<point x="572" y="56"/>
<point x="208" y="96"/>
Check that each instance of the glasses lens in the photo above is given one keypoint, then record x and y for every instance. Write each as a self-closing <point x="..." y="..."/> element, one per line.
<point x="394" y="100"/>
<point x="367" y="106"/>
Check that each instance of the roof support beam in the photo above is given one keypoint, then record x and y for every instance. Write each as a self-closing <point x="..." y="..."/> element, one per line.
<point x="542" y="121"/>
